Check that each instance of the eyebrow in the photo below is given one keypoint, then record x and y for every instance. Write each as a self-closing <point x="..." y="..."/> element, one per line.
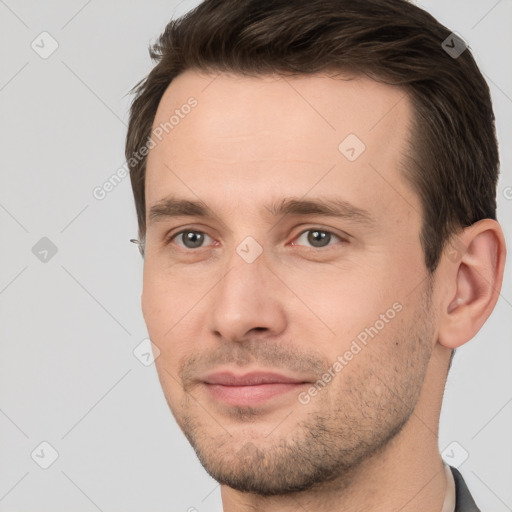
<point x="329" y="207"/>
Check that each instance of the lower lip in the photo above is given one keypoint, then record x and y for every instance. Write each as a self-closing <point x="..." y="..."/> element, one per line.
<point x="250" y="395"/>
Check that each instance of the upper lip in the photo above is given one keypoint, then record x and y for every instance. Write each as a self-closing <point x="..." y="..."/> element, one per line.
<point x="250" y="379"/>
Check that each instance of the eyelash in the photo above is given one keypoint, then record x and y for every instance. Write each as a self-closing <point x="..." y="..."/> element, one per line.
<point x="171" y="238"/>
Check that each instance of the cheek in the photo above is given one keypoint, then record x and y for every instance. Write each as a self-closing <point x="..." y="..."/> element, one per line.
<point x="162" y="296"/>
<point x="169" y="382"/>
<point x="169" y="316"/>
<point x="153" y="303"/>
<point x="345" y="302"/>
<point x="363" y="315"/>
<point x="160" y="313"/>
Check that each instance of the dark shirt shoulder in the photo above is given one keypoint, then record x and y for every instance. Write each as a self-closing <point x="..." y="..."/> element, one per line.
<point x="464" y="502"/>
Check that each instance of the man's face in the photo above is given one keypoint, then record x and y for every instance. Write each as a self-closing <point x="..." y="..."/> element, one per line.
<point x="325" y="289"/>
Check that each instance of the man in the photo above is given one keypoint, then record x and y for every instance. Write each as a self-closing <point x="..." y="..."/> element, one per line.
<point x="315" y="186"/>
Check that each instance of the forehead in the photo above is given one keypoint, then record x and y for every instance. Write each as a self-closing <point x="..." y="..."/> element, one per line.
<point x="289" y="134"/>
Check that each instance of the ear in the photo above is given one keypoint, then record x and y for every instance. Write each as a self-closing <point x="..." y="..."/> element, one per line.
<point x="472" y="274"/>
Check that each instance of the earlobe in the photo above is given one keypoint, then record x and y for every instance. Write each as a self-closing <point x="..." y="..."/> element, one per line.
<point x="476" y="276"/>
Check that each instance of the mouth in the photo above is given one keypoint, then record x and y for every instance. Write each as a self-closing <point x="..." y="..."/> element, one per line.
<point x="250" y="389"/>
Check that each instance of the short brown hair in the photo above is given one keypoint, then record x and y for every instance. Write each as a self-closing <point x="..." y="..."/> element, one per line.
<point x="453" y="161"/>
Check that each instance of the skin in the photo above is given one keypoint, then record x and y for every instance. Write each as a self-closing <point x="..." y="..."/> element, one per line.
<point x="367" y="440"/>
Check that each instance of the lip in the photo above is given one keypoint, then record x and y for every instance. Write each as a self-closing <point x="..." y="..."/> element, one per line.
<point x="250" y="379"/>
<point x="251" y="388"/>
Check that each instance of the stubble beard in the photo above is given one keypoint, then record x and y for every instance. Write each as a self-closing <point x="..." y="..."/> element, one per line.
<point x="336" y="435"/>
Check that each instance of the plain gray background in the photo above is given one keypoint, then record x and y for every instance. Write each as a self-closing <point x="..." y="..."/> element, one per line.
<point x="69" y="324"/>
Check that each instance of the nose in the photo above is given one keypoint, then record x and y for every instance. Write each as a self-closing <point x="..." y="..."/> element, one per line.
<point x="248" y="301"/>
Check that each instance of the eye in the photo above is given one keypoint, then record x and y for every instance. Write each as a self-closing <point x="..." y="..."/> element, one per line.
<point x="318" y="238"/>
<point x="190" y="239"/>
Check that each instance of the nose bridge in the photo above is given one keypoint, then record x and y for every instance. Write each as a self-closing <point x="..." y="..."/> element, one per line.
<point x="247" y="259"/>
<point x="247" y="274"/>
<point x="247" y="296"/>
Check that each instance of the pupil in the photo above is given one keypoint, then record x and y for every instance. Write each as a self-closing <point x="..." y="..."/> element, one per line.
<point x="319" y="236"/>
<point x="193" y="239"/>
